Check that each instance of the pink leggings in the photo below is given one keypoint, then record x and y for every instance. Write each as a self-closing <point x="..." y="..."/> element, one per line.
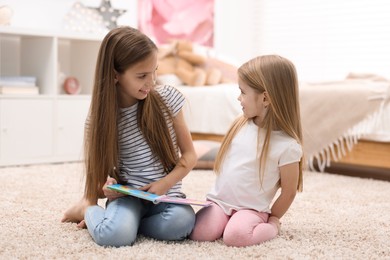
<point x="242" y="228"/>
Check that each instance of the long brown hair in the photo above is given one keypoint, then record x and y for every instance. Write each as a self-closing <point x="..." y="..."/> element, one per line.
<point x="277" y="76"/>
<point x="120" y="49"/>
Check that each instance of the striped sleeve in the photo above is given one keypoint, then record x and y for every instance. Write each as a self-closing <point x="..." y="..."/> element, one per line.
<point x="174" y="99"/>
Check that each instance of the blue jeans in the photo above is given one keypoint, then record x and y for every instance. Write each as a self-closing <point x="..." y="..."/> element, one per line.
<point x="125" y="217"/>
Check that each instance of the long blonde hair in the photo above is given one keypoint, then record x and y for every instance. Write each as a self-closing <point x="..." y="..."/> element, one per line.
<point x="121" y="48"/>
<point x="278" y="77"/>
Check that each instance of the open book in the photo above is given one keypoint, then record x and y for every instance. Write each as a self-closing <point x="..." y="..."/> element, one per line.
<point x="156" y="198"/>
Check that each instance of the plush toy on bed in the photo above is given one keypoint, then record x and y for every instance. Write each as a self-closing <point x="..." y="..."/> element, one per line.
<point x="190" y="68"/>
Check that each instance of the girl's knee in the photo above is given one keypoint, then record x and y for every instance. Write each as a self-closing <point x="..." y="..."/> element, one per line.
<point x="175" y="222"/>
<point x="181" y="225"/>
<point x="234" y="237"/>
<point x="240" y="237"/>
<point x="205" y="233"/>
<point x="117" y="225"/>
<point x="107" y="235"/>
<point x="186" y="213"/>
<point x="210" y="224"/>
<point x="108" y="232"/>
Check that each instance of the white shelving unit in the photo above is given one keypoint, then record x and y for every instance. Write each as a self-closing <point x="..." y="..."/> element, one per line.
<point x="48" y="127"/>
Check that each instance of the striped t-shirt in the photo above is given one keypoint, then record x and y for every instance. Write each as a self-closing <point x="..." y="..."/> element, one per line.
<point x="137" y="165"/>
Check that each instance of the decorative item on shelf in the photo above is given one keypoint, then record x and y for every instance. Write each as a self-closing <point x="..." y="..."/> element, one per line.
<point x="109" y="14"/>
<point x="83" y="19"/>
<point x="72" y="86"/>
<point x="5" y="15"/>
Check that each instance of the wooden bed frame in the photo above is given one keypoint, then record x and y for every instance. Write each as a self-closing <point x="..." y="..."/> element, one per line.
<point x="367" y="159"/>
<point x="208" y="137"/>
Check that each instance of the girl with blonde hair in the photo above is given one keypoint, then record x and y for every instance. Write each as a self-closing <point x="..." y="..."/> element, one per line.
<point x="135" y="135"/>
<point x="261" y="153"/>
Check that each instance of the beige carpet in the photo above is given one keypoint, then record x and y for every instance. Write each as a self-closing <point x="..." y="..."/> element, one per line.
<point x="335" y="217"/>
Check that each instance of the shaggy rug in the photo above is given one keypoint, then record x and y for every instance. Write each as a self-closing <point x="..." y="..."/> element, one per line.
<point x="334" y="217"/>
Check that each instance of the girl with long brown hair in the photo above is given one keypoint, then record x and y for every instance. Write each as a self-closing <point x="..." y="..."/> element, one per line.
<point x="136" y="135"/>
<point x="261" y="153"/>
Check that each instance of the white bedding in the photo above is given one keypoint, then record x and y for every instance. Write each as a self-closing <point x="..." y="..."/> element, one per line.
<point x="332" y="112"/>
<point x="211" y="109"/>
<point x="379" y="129"/>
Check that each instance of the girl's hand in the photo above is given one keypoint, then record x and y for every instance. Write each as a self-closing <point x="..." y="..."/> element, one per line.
<point x="158" y="187"/>
<point x="274" y="221"/>
<point x="111" y="194"/>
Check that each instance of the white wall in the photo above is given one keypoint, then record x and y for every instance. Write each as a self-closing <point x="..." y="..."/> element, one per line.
<point x="234" y="37"/>
<point x="325" y="39"/>
<point x="49" y="14"/>
<point x="237" y="28"/>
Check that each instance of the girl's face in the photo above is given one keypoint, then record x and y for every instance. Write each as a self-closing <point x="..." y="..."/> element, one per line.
<point x="136" y="82"/>
<point x="252" y="102"/>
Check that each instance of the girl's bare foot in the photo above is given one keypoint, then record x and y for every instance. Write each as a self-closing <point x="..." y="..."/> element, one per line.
<point x="82" y="224"/>
<point x="76" y="212"/>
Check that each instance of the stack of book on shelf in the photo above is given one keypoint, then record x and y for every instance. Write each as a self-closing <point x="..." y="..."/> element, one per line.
<point x="18" y="85"/>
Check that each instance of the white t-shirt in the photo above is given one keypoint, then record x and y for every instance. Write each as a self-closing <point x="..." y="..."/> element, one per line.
<point x="238" y="184"/>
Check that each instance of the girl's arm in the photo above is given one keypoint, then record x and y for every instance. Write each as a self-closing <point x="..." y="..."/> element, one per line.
<point x="188" y="155"/>
<point x="186" y="161"/>
<point x="289" y="175"/>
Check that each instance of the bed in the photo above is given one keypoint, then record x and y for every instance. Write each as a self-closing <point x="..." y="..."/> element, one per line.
<point x="337" y="118"/>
